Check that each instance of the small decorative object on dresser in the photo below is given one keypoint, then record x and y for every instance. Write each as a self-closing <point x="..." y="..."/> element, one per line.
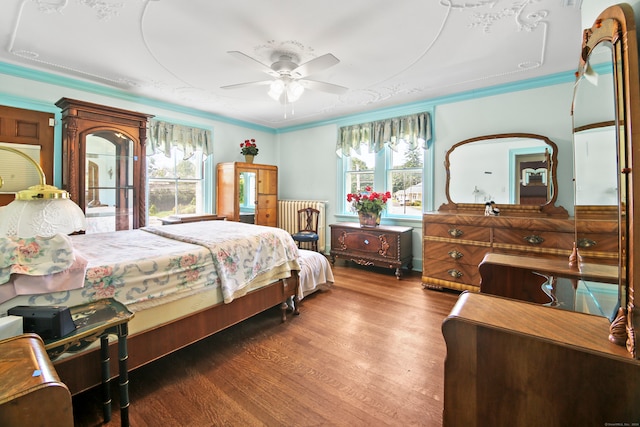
<point x="369" y="205"/>
<point x="382" y="246"/>
<point x="249" y="150"/>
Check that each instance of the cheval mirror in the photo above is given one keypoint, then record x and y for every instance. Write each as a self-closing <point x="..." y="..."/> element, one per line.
<point x="606" y="103"/>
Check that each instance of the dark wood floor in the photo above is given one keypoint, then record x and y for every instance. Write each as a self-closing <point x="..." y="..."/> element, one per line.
<point x="368" y="352"/>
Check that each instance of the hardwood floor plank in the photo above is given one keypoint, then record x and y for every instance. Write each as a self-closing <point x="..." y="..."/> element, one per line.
<point x="367" y="352"/>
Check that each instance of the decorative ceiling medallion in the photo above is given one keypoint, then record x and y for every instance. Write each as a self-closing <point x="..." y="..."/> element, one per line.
<point x="104" y="9"/>
<point x="528" y="22"/>
<point x="292" y="48"/>
<point x="50" y="6"/>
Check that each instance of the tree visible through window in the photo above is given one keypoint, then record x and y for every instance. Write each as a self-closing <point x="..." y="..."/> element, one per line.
<point x="387" y="155"/>
<point x="175" y="184"/>
<point x="405" y="180"/>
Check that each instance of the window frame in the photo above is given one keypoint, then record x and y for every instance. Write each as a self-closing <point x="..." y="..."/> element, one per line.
<point x="380" y="179"/>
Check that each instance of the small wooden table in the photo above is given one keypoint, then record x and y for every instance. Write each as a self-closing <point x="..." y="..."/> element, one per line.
<point x="95" y="320"/>
<point x="382" y="246"/>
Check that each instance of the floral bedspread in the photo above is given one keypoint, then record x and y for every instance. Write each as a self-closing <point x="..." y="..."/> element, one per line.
<point x="241" y="252"/>
<point x="131" y="266"/>
<point x="34" y="256"/>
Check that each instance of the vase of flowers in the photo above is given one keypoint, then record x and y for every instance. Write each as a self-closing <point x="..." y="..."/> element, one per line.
<point x="249" y="150"/>
<point x="369" y="205"/>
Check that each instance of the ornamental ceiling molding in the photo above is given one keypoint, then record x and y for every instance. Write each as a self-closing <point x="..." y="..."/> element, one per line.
<point x="105" y="11"/>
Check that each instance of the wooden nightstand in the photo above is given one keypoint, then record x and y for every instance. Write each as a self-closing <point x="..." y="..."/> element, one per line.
<point x="382" y="246"/>
<point x="95" y="320"/>
<point x="31" y="392"/>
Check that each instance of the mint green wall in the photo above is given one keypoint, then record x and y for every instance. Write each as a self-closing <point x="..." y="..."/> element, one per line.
<point x="306" y="155"/>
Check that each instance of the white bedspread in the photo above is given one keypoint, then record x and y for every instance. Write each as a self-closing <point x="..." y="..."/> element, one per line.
<point x="315" y="272"/>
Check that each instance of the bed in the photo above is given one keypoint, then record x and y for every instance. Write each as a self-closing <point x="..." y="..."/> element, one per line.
<point x="183" y="283"/>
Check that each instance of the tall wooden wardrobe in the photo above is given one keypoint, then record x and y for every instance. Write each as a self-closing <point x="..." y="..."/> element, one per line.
<point x="247" y="192"/>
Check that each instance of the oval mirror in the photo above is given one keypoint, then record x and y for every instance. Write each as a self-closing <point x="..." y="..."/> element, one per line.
<point x="517" y="169"/>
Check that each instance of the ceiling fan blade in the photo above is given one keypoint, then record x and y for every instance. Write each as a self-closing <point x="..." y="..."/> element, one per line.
<point x="323" y="86"/>
<point x="248" y="84"/>
<point x="253" y="62"/>
<point x="315" y="65"/>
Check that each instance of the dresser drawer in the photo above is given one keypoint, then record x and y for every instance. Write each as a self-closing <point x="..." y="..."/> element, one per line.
<point x="455" y="272"/>
<point x="521" y="239"/>
<point x="459" y="253"/>
<point x="600" y="242"/>
<point x="461" y="232"/>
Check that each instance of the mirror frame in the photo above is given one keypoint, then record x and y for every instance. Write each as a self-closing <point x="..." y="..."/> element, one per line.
<point x="616" y="25"/>
<point x="548" y="208"/>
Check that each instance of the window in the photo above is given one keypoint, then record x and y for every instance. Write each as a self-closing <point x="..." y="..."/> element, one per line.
<point x="404" y="180"/>
<point x="175" y="184"/>
<point x="388" y="155"/>
<point x="176" y="166"/>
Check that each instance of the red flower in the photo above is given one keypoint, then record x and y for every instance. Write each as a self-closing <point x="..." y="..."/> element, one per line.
<point x="368" y="201"/>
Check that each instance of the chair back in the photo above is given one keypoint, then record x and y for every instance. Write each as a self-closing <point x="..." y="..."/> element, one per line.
<point x="308" y="220"/>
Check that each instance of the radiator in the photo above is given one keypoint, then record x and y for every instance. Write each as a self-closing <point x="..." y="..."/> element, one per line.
<point x="288" y="217"/>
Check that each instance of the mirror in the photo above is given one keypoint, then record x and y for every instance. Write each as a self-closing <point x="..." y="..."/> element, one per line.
<point x="521" y="171"/>
<point x="605" y="103"/>
<point x="247" y="196"/>
<point x="108" y="181"/>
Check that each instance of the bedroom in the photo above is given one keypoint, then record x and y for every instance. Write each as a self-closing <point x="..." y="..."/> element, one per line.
<point x="543" y="111"/>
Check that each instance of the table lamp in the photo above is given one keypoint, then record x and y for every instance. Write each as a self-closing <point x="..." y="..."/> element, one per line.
<point x="41" y="210"/>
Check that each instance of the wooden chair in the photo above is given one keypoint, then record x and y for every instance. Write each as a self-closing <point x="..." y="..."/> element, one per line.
<point x="307" y="227"/>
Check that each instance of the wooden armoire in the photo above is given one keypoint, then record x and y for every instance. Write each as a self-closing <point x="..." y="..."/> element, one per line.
<point x="103" y="163"/>
<point x="247" y="192"/>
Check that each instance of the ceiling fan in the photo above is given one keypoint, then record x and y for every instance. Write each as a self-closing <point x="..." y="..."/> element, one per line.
<point x="290" y="77"/>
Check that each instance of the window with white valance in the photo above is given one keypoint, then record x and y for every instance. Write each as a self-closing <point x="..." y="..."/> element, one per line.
<point x="165" y="135"/>
<point x="176" y="158"/>
<point x="414" y="130"/>
<point x="386" y="155"/>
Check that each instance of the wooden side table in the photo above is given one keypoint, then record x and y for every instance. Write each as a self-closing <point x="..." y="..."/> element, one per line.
<point x="31" y="392"/>
<point x="95" y="320"/>
<point x="382" y="246"/>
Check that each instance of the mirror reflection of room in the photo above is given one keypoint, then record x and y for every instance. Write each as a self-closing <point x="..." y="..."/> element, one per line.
<point x="514" y="170"/>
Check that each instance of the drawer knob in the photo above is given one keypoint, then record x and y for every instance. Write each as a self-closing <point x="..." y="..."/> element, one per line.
<point x="366" y="242"/>
<point x="533" y="239"/>
<point x="586" y="243"/>
<point x="455" y="254"/>
<point x="455" y="232"/>
<point x="455" y="273"/>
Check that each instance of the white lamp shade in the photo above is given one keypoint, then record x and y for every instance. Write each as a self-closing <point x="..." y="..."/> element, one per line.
<point x="42" y="218"/>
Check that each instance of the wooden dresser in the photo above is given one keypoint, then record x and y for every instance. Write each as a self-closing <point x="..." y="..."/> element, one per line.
<point x="382" y="246"/>
<point x="455" y="244"/>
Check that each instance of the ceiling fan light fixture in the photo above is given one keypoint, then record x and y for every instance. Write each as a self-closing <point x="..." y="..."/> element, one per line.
<point x="294" y="91"/>
<point x="276" y="88"/>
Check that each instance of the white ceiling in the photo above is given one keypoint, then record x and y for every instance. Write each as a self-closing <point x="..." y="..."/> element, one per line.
<point x="391" y="52"/>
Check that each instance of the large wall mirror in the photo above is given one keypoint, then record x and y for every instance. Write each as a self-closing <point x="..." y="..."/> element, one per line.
<point x="605" y="104"/>
<point x="518" y="173"/>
